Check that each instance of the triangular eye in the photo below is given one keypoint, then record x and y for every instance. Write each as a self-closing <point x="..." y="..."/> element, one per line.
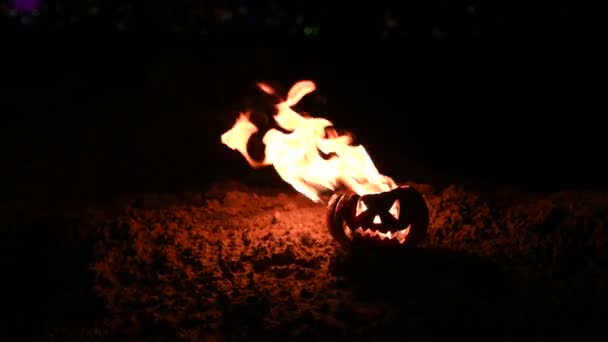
<point x="361" y="207"/>
<point x="395" y="208"/>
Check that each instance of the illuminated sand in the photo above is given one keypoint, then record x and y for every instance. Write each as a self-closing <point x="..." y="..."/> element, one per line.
<point x="240" y="262"/>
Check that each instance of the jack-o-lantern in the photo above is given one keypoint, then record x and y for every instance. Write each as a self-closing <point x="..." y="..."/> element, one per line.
<point x="399" y="217"/>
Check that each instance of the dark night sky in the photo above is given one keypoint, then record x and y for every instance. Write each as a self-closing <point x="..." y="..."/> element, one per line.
<point x="501" y="94"/>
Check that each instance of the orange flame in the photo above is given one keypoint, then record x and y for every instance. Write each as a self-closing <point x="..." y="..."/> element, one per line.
<point x="296" y="157"/>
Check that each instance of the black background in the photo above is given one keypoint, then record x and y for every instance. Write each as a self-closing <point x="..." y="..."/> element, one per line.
<point x="509" y="95"/>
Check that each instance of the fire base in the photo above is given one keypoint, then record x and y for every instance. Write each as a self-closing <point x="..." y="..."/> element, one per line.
<point x="398" y="218"/>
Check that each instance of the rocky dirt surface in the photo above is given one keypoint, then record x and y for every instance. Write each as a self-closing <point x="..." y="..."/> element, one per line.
<point x="237" y="262"/>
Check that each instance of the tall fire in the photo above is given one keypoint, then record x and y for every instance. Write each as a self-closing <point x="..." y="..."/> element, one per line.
<point x="378" y="208"/>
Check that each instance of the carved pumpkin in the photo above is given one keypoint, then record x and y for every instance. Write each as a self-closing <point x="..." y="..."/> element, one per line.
<point x="399" y="217"/>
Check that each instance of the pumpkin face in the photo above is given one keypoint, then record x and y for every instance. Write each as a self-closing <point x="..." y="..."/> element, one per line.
<point x="399" y="217"/>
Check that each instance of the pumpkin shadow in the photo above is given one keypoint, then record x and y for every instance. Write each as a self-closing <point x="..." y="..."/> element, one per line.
<point x="438" y="278"/>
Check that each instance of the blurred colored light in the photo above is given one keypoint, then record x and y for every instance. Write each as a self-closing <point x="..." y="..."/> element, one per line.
<point x="27" y="6"/>
<point x="310" y="31"/>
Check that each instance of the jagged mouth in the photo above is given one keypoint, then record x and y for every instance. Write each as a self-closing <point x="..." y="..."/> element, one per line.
<point x="359" y="232"/>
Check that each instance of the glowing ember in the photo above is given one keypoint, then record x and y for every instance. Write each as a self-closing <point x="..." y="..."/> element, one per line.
<point x="296" y="155"/>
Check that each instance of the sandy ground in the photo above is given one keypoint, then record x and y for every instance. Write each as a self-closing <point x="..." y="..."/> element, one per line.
<point x="239" y="262"/>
